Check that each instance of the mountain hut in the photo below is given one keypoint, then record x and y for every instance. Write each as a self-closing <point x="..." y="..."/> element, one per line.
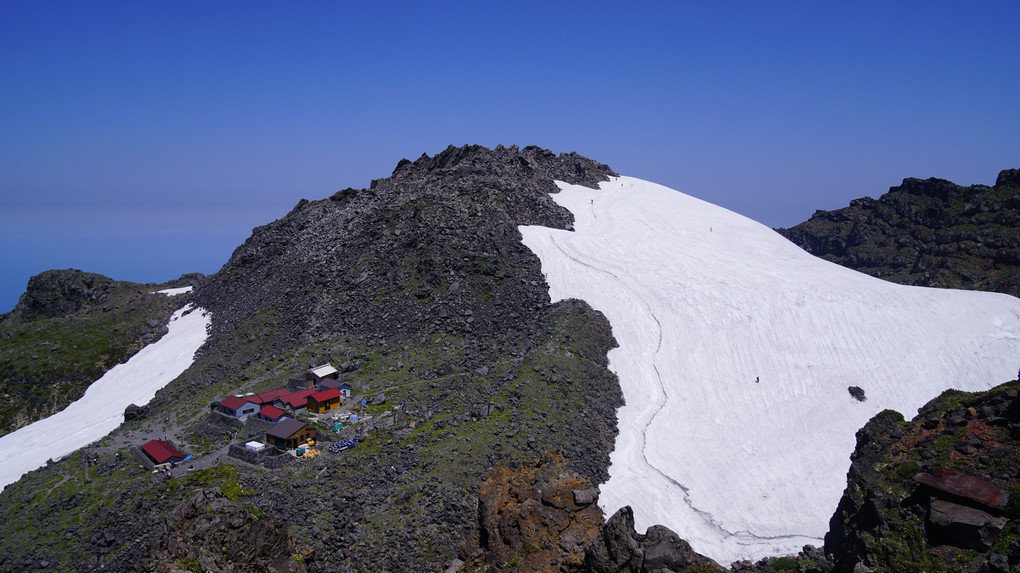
<point x="288" y="434"/>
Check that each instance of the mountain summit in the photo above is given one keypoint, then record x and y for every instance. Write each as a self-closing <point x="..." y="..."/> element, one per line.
<point x="486" y="307"/>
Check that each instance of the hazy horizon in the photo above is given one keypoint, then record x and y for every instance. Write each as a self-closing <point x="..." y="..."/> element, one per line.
<point x="144" y="141"/>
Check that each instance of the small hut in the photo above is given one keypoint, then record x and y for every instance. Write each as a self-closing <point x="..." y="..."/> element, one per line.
<point x="288" y="434"/>
<point x="319" y="373"/>
<point x="324" y="401"/>
<point x="161" y="452"/>
<point x="273" y="414"/>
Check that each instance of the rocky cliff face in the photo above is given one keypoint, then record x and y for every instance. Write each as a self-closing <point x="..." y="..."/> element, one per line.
<point x="537" y="517"/>
<point x="927" y="232"/>
<point x="938" y="493"/>
<point x="542" y="516"/>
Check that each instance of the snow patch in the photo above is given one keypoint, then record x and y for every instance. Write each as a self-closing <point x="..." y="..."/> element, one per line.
<point x="101" y="409"/>
<point x="736" y="349"/>
<point x="174" y="291"/>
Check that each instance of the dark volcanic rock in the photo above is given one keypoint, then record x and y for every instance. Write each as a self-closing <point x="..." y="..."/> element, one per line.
<point x="61" y="292"/>
<point x="928" y="232"/>
<point x="932" y="493"/>
<point x="621" y="549"/>
<point x="434" y="246"/>
<point x="963" y="526"/>
<point x="135" y="412"/>
<point x="857" y="392"/>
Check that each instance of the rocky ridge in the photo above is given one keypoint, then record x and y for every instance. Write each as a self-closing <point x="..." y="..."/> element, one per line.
<point x="926" y="232"/>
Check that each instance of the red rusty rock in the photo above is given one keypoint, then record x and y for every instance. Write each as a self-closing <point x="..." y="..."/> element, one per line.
<point x="964" y="485"/>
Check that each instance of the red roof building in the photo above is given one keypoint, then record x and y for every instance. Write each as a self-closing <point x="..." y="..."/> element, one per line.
<point x="324" y="401"/>
<point x="238" y="406"/>
<point x="162" y="452"/>
<point x="273" y="414"/>
<point x="294" y="400"/>
<point x="265" y="398"/>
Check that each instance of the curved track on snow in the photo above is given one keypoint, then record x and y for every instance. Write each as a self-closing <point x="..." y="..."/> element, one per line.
<point x="703" y="302"/>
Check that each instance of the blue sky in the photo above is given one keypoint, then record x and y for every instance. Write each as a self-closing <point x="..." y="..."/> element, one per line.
<point x="143" y="140"/>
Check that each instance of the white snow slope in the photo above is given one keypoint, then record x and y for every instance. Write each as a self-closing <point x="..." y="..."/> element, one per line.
<point x="101" y="409"/>
<point x="703" y="302"/>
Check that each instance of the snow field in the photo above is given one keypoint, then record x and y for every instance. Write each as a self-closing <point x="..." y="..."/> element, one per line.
<point x="101" y="409"/>
<point x="703" y="302"/>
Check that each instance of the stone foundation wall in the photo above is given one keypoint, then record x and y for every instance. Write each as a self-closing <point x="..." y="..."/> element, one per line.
<point x="270" y="458"/>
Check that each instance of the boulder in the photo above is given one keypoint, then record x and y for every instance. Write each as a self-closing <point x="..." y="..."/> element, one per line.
<point x="621" y="549"/>
<point x="962" y="526"/>
<point x="528" y="516"/>
<point x="133" y="412"/>
<point x="586" y="496"/>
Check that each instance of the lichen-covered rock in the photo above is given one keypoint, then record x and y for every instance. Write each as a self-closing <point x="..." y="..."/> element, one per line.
<point x="529" y="520"/>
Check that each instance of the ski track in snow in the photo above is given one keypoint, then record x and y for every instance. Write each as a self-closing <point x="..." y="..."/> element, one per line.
<point x="702" y="302"/>
<point x="661" y="405"/>
<point x="101" y="409"/>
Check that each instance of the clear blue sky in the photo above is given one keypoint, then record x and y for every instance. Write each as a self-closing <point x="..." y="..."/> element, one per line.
<point x="143" y="140"/>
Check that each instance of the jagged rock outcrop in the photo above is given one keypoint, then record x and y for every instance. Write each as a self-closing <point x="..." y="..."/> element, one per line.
<point x="938" y="493"/>
<point x="538" y="517"/>
<point x="928" y="232"/>
<point x="542" y="517"/>
<point x="60" y="293"/>
<point x="620" y="549"/>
